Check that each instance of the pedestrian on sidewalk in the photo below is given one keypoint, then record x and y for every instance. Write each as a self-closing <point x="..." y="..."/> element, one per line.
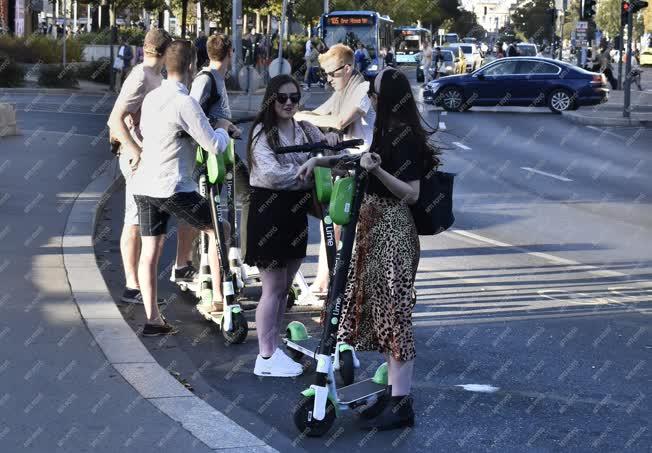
<point x="426" y="59"/>
<point x="379" y="294"/>
<point x="349" y="111"/>
<point x="163" y="186"/>
<point x="124" y="123"/>
<point x="277" y="217"/>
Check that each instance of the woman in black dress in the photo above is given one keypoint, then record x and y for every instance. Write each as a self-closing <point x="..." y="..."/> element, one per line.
<point x="275" y="219"/>
<point x="380" y="296"/>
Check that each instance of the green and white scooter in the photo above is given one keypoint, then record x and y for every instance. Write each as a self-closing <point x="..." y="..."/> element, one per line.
<point x="323" y="401"/>
<point x="231" y="319"/>
<point x="298" y="342"/>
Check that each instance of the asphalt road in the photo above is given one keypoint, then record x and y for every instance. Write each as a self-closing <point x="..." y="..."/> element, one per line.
<point x="541" y="291"/>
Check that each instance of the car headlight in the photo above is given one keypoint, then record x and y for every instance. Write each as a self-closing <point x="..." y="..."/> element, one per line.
<point x="373" y="67"/>
<point x="433" y="86"/>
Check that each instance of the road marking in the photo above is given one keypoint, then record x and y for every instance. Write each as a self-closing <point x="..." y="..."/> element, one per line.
<point x="533" y="170"/>
<point x="41" y="131"/>
<point x="64" y="112"/>
<point x="444" y="113"/>
<point x="604" y="131"/>
<point x="464" y="147"/>
<point x="555" y="259"/>
<point x="442" y="126"/>
<point x="482" y="388"/>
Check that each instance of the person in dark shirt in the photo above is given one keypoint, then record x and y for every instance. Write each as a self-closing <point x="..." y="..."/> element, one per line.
<point x="202" y="52"/>
<point x="379" y="295"/>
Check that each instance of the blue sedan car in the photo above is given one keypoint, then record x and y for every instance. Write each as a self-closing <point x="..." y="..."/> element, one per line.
<point x="519" y="81"/>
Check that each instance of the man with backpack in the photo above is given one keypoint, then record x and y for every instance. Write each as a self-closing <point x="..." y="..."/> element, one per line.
<point x="209" y="89"/>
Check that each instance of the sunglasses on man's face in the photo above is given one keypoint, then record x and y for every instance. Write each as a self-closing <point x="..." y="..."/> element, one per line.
<point x="332" y="73"/>
<point x="282" y="98"/>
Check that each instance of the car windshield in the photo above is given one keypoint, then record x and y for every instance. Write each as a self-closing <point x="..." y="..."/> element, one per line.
<point x="447" y="56"/>
<point x="527" y="51"/>
<point x="467" y="49"/>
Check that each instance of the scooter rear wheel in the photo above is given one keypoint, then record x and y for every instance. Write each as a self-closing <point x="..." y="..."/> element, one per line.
<point x="306" y="424"/>
<point x="292" y="298"/>
<point x="239" y="329"/>
<point x="347" y="369"/>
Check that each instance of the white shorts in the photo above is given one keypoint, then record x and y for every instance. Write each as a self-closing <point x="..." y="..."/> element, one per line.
<point x="131" y="209"/>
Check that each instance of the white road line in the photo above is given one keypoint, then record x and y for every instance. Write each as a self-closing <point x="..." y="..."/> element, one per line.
<point x="552" y="258"/>
<point x="41" y="131"/>
<point x="464" y="147"/>
<point x="64" y="112"/>
<point x="533" y="170"/>
<point x="603" y="131"/>
<point x="442" y="126"/>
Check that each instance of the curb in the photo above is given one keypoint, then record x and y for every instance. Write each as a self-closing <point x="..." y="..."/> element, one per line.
<point x="120" y="344"/>
<point x="606" y="121"/>
<point x="55" y="91"/>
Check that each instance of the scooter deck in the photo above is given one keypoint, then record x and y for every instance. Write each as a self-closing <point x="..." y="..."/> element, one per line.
<point x="359" y="391"/>
<point x="188" y="286"/>
<point x="307" y="347"/>
<point x="214" y="316"/>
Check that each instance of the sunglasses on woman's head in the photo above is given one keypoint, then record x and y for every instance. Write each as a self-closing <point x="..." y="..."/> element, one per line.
<point x="294" y="98"/>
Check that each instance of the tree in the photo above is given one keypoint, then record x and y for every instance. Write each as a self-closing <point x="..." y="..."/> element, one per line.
<point x="607" y="17"/>
<point x="533" y="21"/>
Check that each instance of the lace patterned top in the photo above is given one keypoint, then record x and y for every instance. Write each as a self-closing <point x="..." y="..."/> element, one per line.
<point x="277" y="171"/>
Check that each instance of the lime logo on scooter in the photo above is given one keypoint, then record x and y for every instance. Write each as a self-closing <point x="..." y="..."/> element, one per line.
<point x="334" y="320"/>
<point x="330" y="233"/>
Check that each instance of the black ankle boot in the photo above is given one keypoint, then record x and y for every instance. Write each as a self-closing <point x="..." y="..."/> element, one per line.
<point x="376" y="408"/>
<point x="397" y="414"/>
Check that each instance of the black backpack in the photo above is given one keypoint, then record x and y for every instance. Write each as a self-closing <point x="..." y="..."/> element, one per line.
<point x="213" y="98"/>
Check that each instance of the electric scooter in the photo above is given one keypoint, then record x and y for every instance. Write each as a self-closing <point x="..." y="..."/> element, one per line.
<point x="297" y="341"/>
<point x="323" y="401"/>
<point x="215" y="170"/>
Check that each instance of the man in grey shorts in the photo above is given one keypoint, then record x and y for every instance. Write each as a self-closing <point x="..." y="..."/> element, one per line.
<point x="124" y="123"/>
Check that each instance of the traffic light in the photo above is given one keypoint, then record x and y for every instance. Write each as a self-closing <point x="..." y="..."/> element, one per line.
<point x="588" y="9"/>
<point x="638" y="5"/>
<point x="624" y="10"/>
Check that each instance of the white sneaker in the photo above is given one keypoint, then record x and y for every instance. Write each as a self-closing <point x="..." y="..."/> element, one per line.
<point x="278" y="365"/>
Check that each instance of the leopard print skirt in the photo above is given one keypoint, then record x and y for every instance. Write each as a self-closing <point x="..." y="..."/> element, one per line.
<point x="379" y="295"/>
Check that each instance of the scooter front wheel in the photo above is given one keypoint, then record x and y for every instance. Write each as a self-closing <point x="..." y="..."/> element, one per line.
<point x="239" y="329"/>
<point x="347" y="369"/>
<point x="310" y="426"/>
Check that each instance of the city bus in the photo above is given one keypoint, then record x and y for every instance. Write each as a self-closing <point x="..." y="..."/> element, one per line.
<point x="351" y="27"/>
<point x="408" y="42"/>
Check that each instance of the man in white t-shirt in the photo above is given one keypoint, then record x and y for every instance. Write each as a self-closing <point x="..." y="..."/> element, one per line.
<point x="349" y="111"/>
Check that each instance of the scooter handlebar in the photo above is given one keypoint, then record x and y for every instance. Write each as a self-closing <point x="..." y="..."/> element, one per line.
<point x="319" y="147"/>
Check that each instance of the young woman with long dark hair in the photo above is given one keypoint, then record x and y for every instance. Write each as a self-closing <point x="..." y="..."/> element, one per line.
<point x="275" y="220"/>
<point x="380" y="296"/>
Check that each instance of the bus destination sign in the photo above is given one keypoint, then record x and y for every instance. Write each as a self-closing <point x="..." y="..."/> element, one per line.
<point x="349" y="20"/>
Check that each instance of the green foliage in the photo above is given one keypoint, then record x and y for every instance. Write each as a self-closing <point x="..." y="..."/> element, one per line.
<point x="38" y="49"/>
<point x="134" y="36"/>
<point x="533" y="21"/>
<point x="58" y="76"/>
<point x="11" y="74"/>
<point x="608" y="16"/>
<point x="98" y="71"/>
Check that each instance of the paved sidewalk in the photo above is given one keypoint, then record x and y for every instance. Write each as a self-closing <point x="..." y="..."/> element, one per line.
<point x="61" y="391"/>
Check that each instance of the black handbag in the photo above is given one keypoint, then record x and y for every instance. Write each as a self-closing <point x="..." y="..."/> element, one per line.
<point x="433" y="212"/>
